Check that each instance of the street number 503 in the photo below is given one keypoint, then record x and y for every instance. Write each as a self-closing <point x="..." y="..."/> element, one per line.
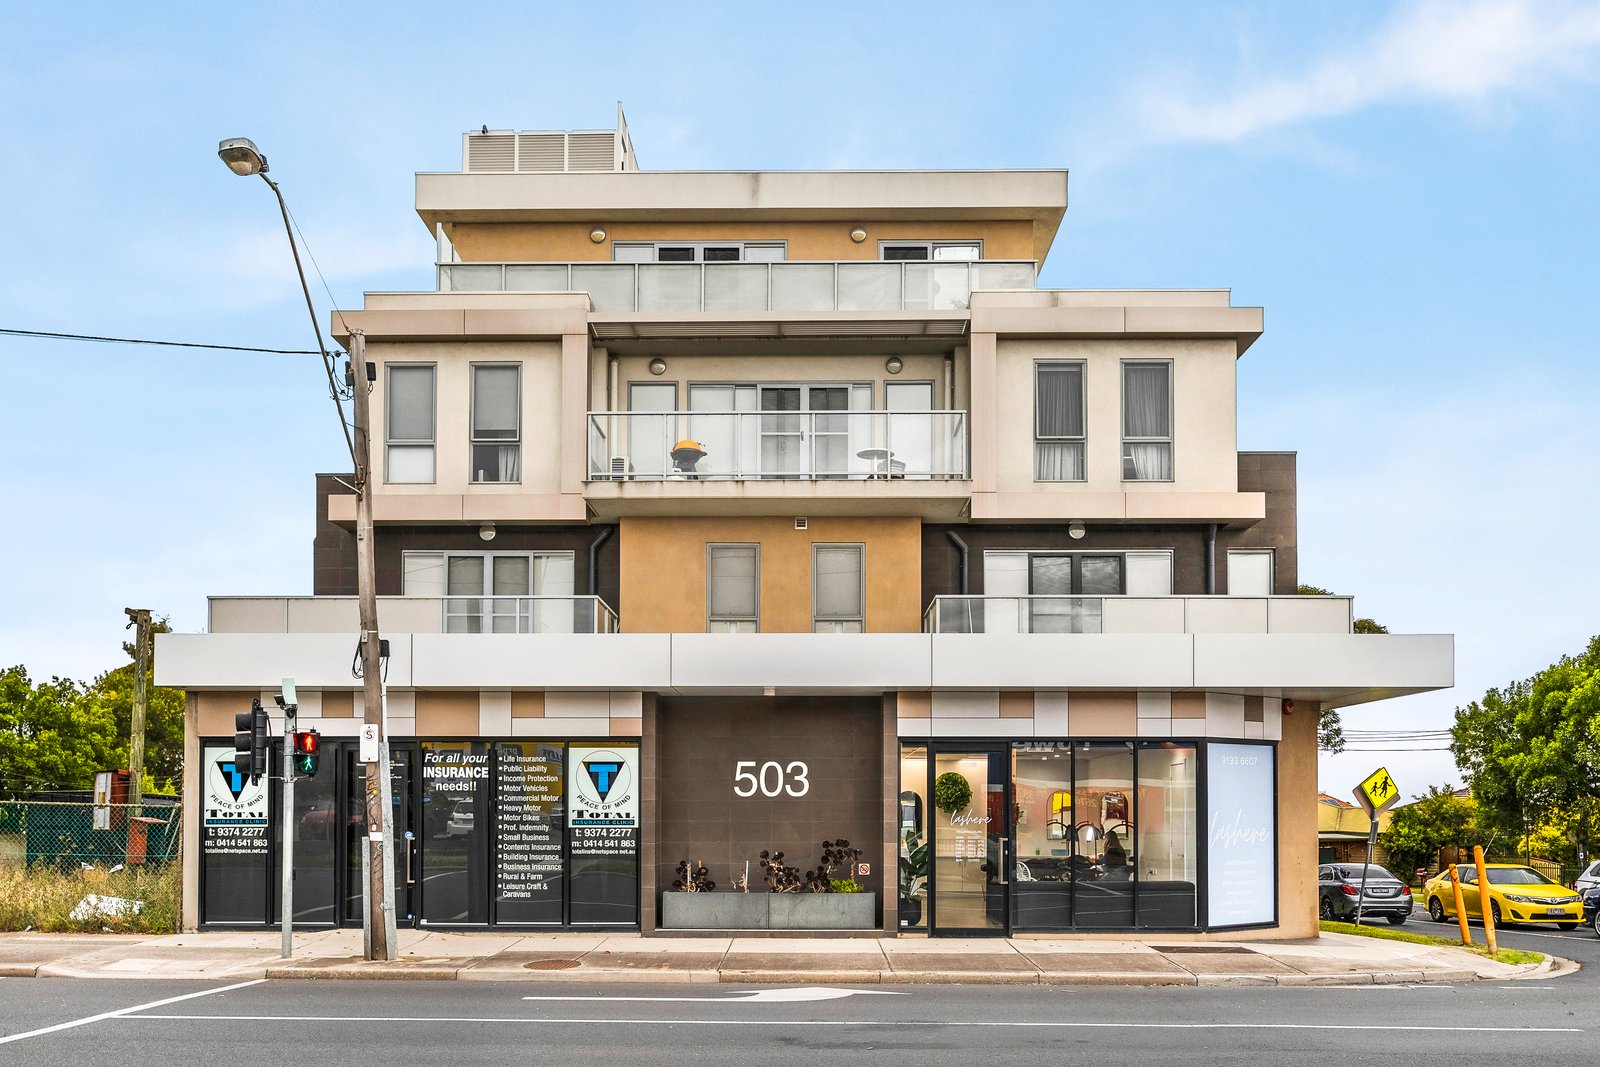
<point x="771" y="779"/>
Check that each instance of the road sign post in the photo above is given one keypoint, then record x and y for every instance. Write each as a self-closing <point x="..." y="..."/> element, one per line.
<point x="1377" y="793"/>
<point x="291" y="712"/>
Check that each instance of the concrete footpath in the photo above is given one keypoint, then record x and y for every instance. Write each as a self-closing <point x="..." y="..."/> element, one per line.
<point x="1332" y="959"/>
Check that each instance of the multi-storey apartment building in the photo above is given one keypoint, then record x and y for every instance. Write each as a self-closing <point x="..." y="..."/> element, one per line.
<point x="739" y="511"/>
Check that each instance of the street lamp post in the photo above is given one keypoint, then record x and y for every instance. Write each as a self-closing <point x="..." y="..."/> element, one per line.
<point x="244" y="159"/>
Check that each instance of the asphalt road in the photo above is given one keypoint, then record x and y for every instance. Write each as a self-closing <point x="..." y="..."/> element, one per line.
<point x="134" y="1023"/>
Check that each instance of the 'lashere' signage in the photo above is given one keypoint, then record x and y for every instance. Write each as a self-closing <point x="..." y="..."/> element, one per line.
<point x="1241" y="835"/>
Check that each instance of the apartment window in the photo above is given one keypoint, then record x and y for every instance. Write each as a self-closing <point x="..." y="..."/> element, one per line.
<point x="1147" y="421"/>
<point x="1058" y="421"/>
<point x="699" y="251"/>
<point x="733" y="589"/>
<point x="498" y="592"/>
<point x="934" y="250"/>
<point x="496" y="422"/>
<point x="410" y="423"/>
<point x="838" y="593"/>
<point x="1250" y="572"/>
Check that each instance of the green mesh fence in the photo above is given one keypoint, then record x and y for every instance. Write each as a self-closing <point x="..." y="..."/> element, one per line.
<point x="69" y="835"/>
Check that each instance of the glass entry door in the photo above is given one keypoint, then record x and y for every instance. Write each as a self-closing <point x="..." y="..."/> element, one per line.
<point x="964" y="803"/>
<point x="805" y="431"/>
<point x="402" y="760"/>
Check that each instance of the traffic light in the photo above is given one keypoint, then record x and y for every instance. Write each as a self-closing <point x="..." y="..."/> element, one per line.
<point x="307" y="746"/>
<point x="250" y="742"/>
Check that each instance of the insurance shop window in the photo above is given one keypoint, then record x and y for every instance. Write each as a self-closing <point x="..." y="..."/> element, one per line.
<point x="530" y="832"/>
<point x="455" y="854"/>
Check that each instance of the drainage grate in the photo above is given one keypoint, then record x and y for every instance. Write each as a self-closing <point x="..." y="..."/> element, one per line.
<point x="550" y="965"/>
<point x="1215" y="950"/>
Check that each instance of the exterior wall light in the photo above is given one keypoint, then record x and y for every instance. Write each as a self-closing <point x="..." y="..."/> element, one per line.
<point x="597" y="234"/>
<point x="858" y="235"/>
<point x="894" y="365"/>
<point x="486" y="531"/>
<point x="1075" y="531"/>
<point x="658" y="366"/>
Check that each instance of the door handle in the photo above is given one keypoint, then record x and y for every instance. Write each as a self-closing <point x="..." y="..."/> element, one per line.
<point x="411" y="855"/>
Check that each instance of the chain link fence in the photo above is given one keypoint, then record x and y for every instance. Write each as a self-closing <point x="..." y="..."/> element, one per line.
<point x="76" y="834"/>
<point x="86" y="867"/>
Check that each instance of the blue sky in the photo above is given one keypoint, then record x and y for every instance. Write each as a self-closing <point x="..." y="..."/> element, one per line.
<point x="1406" y="188"/>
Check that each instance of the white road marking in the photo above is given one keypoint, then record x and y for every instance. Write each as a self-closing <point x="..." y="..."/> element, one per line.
<point x="125" y="1011"/>
<point x="922" y="1023"/>
<point x="786" y="995"/>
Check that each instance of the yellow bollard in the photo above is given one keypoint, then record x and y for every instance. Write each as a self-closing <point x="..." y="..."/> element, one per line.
<point x="1485" y="905"/>
<point x="1461" y="910"/>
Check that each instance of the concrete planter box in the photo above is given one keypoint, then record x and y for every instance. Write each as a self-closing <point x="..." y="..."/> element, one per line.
<point x="768" y="911"/>
<point x="822" y="911"/>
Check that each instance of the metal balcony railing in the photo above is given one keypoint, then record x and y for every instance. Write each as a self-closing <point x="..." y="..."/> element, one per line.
<point x="730" y="287"/>
<point x="1137" y="615"/>
<point x="794" y="445"/>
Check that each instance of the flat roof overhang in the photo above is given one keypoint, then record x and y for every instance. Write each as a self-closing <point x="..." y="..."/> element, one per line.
<point x="1035" y="196"/>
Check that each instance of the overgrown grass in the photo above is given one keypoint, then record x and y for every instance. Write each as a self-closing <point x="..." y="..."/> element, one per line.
<point x="43" y="898"/>
<point x="1505" y="955"/>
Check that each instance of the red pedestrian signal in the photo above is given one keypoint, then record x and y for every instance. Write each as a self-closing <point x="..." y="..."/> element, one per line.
<point x="307" y="747"/>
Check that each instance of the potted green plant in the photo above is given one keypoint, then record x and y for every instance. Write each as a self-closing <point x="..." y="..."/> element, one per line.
<point x="913" y="877"/>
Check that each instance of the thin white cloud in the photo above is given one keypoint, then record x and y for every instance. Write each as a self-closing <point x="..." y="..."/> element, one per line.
<point x="1459" y="52"/>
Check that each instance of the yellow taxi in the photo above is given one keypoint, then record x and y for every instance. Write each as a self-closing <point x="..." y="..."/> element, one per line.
<point x="1517" y="894"/>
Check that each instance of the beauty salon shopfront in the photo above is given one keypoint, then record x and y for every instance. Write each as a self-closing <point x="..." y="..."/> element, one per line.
<point x="1095" y="835"/>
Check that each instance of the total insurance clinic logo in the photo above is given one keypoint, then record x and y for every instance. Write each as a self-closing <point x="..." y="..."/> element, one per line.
<point x="604" y="787"/>
<point x="230" y="796"/>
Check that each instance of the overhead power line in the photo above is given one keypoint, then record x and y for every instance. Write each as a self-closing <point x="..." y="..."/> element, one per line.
<point x="50" y="335"/>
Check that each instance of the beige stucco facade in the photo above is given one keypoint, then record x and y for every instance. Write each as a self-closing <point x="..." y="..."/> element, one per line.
<point x="664" y="570"/>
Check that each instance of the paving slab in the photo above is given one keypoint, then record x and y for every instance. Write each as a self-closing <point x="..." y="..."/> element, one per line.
<point x="1111" y="965"/>
<point x="1228" y="963"/>
<point x="988" y="968"/>
<point x="432" y="968"/>
<point x="1034" y="948"/>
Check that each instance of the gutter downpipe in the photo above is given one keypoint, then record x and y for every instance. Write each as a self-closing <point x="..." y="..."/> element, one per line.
<point x="961" y="546"/>
<point x="594" y="554"/>
<point x="1211" y="559"/>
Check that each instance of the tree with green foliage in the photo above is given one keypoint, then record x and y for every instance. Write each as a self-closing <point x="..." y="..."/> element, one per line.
<point x="50" y="736"/>
<point x="1438" y="819"/>
<point x="59" y="734"/>
<point x="1330" y="729"/>
<point x="1531" y="751"/>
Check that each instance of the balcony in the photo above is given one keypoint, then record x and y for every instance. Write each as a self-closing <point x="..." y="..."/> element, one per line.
<point x="777" y="445"/>
<point x="1137" y="615"/>
<point x="415" y="614"/>
<point x="742" y="287"/>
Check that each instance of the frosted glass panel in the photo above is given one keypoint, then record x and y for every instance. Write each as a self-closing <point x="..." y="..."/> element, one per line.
<point x="1250" y="573"/>
<point x="1148" y="573"/>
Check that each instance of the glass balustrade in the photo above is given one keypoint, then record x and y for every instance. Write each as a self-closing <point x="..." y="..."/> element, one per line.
<point x="795" y="445"/>
<point x="733" y="287"/>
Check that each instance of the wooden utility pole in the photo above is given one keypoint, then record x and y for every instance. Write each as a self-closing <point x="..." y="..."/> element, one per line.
<point x="379" y="918"/>
<point x="141" y="705"/>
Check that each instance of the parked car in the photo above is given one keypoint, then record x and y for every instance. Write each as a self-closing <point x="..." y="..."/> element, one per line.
<point x="1339" y="889"/>
<point x="460" y="821"/>
<point x="1589" y="879"/>
<point x="1591" y="908"/>
<point x="1517" y="894"/>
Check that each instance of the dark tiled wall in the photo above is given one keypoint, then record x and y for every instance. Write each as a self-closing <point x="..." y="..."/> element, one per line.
<point x="334" y="552"/>
<point x="1272" y="473"/>
<point x="700" y="739"/>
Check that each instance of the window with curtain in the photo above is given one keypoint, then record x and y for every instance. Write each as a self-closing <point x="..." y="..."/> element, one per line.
<point x="409" y="422"/>
<point x="1058" y="422"/>
<point x="732" y="589"/>
<point x="496" y="592"/>
<point x="496" y="422"/>
<point x="1250" y="572"/>
<point x="1147" y="422"/>
<point x="838" y="595"/>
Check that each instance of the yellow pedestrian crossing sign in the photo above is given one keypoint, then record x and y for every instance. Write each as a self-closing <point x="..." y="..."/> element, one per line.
<point x="1377" y="792"/>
